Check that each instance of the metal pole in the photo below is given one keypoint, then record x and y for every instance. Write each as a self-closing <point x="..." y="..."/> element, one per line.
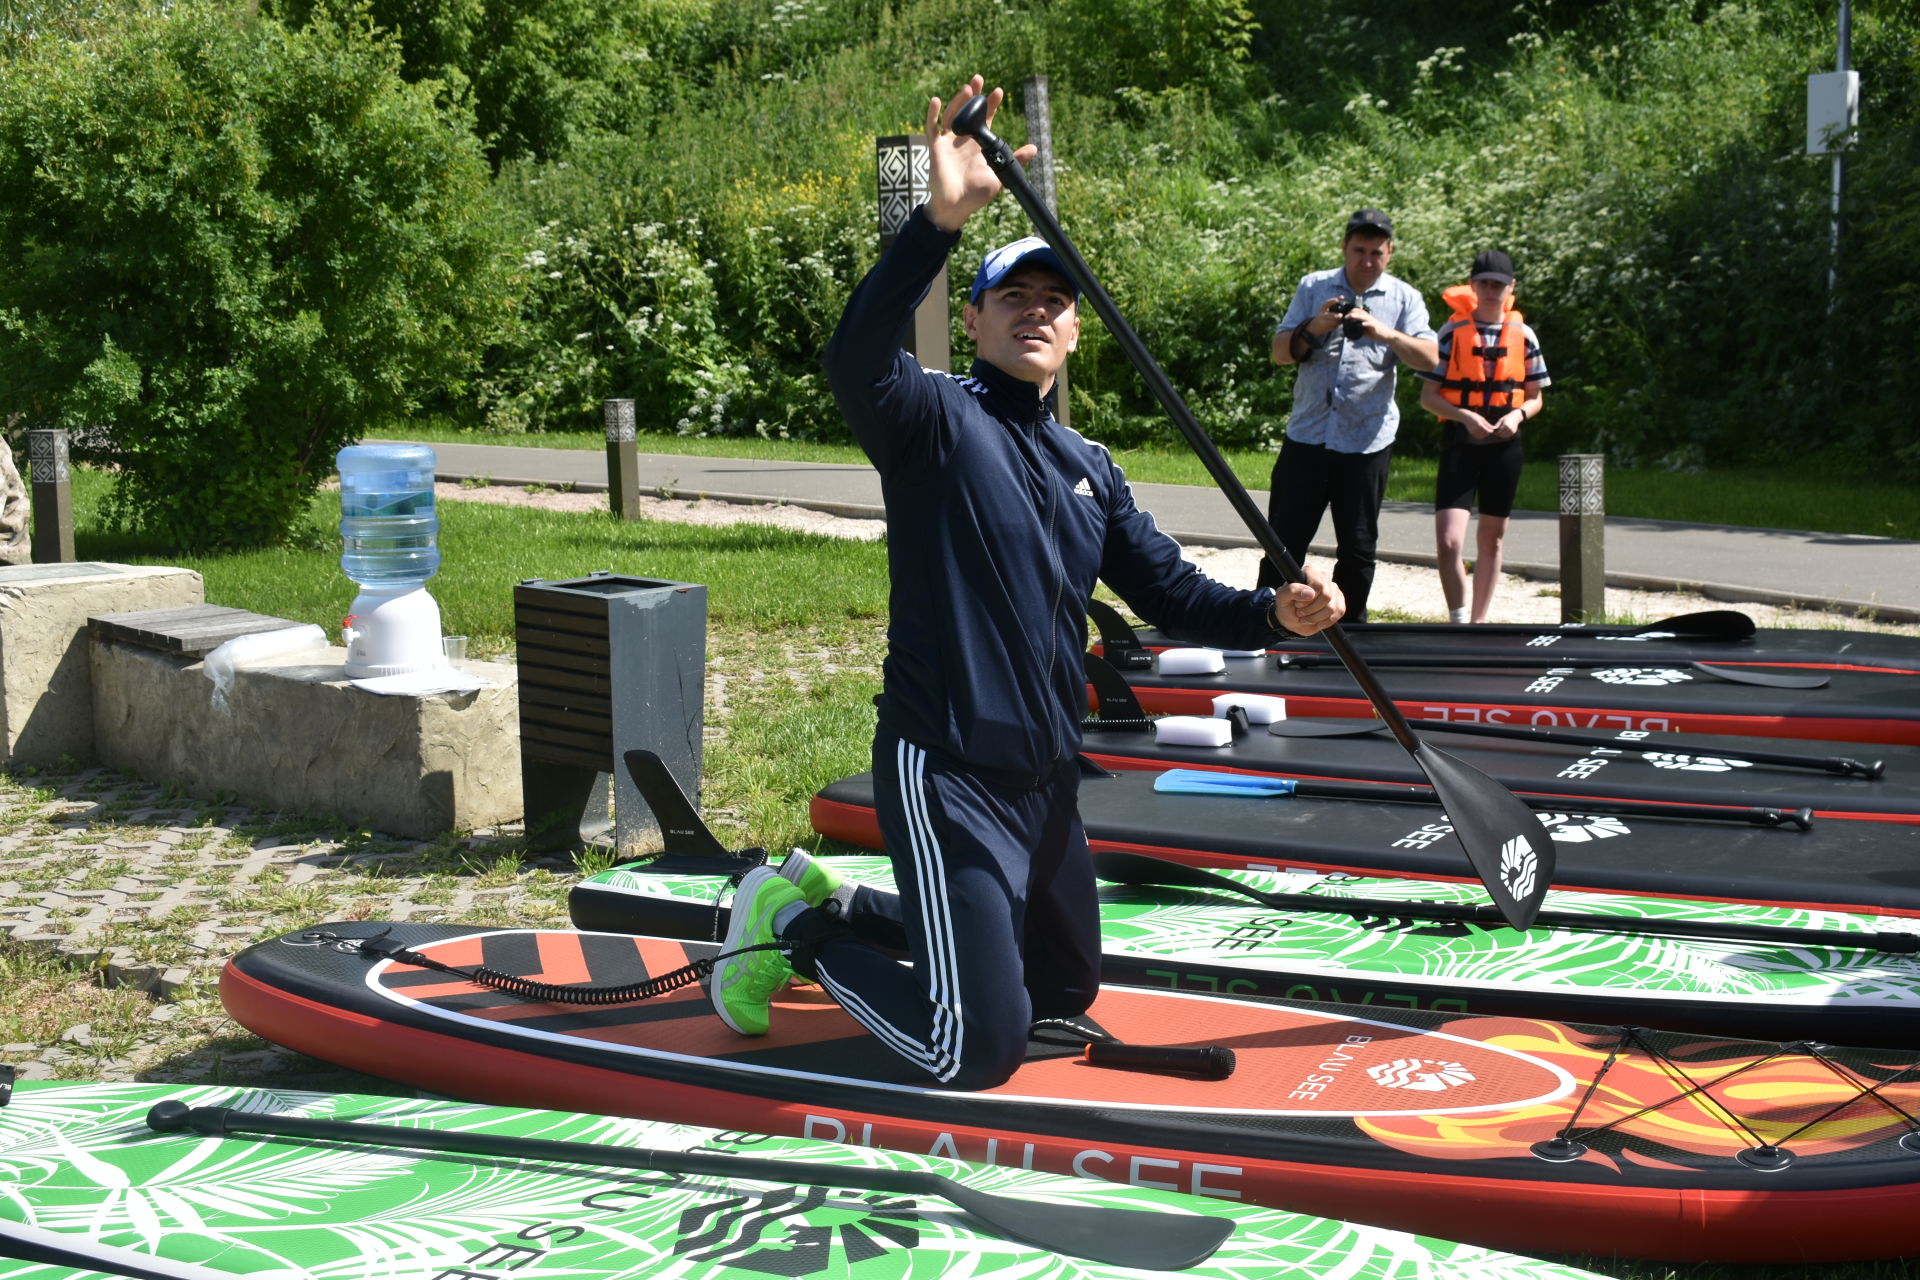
<point x="1583" y="537"/>
<point x="623" y="459"/>
<point x="1842" y="62"/>
<point x="52" y="496"/>
<point x="900" y="168"/>
<point x="1040" y="133"/>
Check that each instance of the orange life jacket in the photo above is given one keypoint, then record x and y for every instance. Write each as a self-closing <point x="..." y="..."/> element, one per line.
<point x="1484" y="375"/>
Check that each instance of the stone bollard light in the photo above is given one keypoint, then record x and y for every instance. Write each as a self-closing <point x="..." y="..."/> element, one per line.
<point x="900" y="167"/>
<point x="52" y="496"/>
<point x="623" y="459"/>
<point x="1583" y="536"/>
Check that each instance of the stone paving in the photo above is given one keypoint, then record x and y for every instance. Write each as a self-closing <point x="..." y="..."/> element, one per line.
<point x="154" y="890"/>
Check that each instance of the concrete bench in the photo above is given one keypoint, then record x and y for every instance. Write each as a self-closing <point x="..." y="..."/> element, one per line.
<point x="296" y="734"/>
<point x="46" y="691"/>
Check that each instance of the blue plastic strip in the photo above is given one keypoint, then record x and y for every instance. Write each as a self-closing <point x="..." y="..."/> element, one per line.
<point x="1206" y="782"/>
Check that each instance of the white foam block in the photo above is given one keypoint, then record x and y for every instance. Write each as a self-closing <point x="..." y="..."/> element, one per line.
<point x="1261" y="708"/>
<point x="1190" y="662"/>
<point x="1192" y="731"/>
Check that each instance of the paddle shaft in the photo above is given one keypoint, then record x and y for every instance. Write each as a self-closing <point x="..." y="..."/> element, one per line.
<point x="1711" y="624"/>
<point x="1181" y="876"/>
<point x="1532" y="661"/>
<point x="1060" y="1228"/>
<point x="1506" y="846"/>
<point x="1000" y="157"/>
<point x="1411" y="793"/>
<point x="1842" y="765"/>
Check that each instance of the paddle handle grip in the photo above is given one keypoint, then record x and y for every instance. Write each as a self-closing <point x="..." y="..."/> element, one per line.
<point x="1207" y="1062"/>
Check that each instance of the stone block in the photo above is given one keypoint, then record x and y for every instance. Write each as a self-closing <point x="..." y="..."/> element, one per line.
<point x="46" y="699"/>
<point x="297" y="736"/>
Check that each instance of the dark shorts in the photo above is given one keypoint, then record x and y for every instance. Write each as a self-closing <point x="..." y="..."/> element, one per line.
<point x="1491" y="469"/>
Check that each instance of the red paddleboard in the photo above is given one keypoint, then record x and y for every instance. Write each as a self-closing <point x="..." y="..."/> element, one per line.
<point x="1518" y="1133"/>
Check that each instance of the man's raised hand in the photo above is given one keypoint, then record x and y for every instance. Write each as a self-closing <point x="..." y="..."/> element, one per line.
<point x="959" y="180"/>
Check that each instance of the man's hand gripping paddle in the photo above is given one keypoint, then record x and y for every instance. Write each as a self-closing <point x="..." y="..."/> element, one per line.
<point x="1509" y="849"/>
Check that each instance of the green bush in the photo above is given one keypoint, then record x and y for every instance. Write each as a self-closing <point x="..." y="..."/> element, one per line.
<point x="237" y="248"/>
<point x="539" y="74"/>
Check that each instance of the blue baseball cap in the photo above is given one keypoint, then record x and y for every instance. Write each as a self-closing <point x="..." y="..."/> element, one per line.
<point x="999" y="264"/>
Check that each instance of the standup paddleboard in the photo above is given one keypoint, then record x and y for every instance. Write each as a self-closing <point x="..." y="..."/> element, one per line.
<point x="1210" y="939"/>
<point x="84" y="1174"/>
<point x="1651" y="697"/>
<point x="1835" y="866"/>
<point x="1633" y="766"/>
<point x="1793" y="649"/>
<point x="1513" y="1133"/>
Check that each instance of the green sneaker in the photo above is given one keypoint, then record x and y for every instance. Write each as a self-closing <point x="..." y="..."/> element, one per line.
<point x="815" y="880"/>
<point x="741" y="987"/>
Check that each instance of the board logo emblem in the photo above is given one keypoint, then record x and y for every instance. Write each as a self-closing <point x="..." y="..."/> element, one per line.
<point x="1642" y="675"/>
<point x="1579" y="828"/>
<point x="774" y="1234"/>
<point x="1519" y="864"/>
<point x="1693" y="764"/>
<point x="1424" y="1075"/>
<point x="1084" y="488"/>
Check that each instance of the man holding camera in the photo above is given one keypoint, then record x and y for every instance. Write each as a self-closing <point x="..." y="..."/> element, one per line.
<point x="1348" y="330"/>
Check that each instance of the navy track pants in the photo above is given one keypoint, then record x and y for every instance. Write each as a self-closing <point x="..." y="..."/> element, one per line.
<point x="1001" y="919"/>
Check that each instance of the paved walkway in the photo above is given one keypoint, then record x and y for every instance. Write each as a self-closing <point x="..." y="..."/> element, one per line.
<point x="1843" y="572"/>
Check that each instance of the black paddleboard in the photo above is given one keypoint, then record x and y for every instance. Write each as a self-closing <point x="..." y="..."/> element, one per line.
<point x="1787" y="648"/>
<point x="1650" y="697"/>
<point x="1624" y="765"/>
<point x="1836" y="864"/>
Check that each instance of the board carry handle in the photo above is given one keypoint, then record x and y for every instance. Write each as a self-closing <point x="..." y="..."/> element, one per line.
<point x="1529" y="661"/>
<point x="1156" y="1240"/>
<point x="1140" y="870"/>
<point x="1844" y="766"/>
<point x="1504" y="843"/>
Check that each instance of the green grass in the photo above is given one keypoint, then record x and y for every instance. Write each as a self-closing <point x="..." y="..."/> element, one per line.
<point x="1756" y="497"/>
<point x="795" y="624"/>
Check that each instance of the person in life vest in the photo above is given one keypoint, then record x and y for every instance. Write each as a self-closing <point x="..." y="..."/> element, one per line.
<point x="1487" y="384"/>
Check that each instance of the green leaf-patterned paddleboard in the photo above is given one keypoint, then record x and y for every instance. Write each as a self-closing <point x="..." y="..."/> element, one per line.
<point x="1218" y="942"/>
<point x="79" y="1167"/>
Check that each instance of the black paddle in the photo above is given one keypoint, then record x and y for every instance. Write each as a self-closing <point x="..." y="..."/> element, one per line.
<point x="1120" y="710"/>
<point x="1124" y="1237"/>
<point x="1412" y="793"/>
<point x="1710" y="624"/>
<point x="27" y="1243"/>
<point x="1506" y="844"/>
<point x="1138" y="869"/>
<point x="1845" y="766"/>
<point x="1476" y="662"/>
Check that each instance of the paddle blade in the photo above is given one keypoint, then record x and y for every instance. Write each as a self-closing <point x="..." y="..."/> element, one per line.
<point x="1766" y="679"/>
<point x="1153" y="1241"/>
<point x="1291" y="728"/>
<point x="1709" y="624"/>
<point x="1509" y="848"/>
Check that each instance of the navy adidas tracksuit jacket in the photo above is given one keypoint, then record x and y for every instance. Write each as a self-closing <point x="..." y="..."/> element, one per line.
<point x="999" y="521"/>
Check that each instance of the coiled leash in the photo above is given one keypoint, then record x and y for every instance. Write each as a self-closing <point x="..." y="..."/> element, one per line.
<point x="385" y="948"/>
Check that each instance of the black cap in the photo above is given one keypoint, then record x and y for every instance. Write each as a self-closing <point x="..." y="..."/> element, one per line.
<point x="1492" y="265"/>
<point x="1370" y="222"/>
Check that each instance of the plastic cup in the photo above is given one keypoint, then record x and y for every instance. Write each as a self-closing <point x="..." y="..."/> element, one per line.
<point x="454" y="647"/>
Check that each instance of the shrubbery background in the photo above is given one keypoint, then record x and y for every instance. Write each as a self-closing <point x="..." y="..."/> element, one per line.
<point x="683" y="195"/>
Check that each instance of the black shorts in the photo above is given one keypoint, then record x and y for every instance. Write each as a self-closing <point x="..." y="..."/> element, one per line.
<point x="1492" y="469"/>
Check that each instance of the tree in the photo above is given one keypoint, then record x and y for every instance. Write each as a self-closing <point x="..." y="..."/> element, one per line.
<point x="236" y="248"/>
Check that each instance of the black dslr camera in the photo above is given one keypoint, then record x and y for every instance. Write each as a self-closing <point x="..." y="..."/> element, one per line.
<point x="1349" y="326"/>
